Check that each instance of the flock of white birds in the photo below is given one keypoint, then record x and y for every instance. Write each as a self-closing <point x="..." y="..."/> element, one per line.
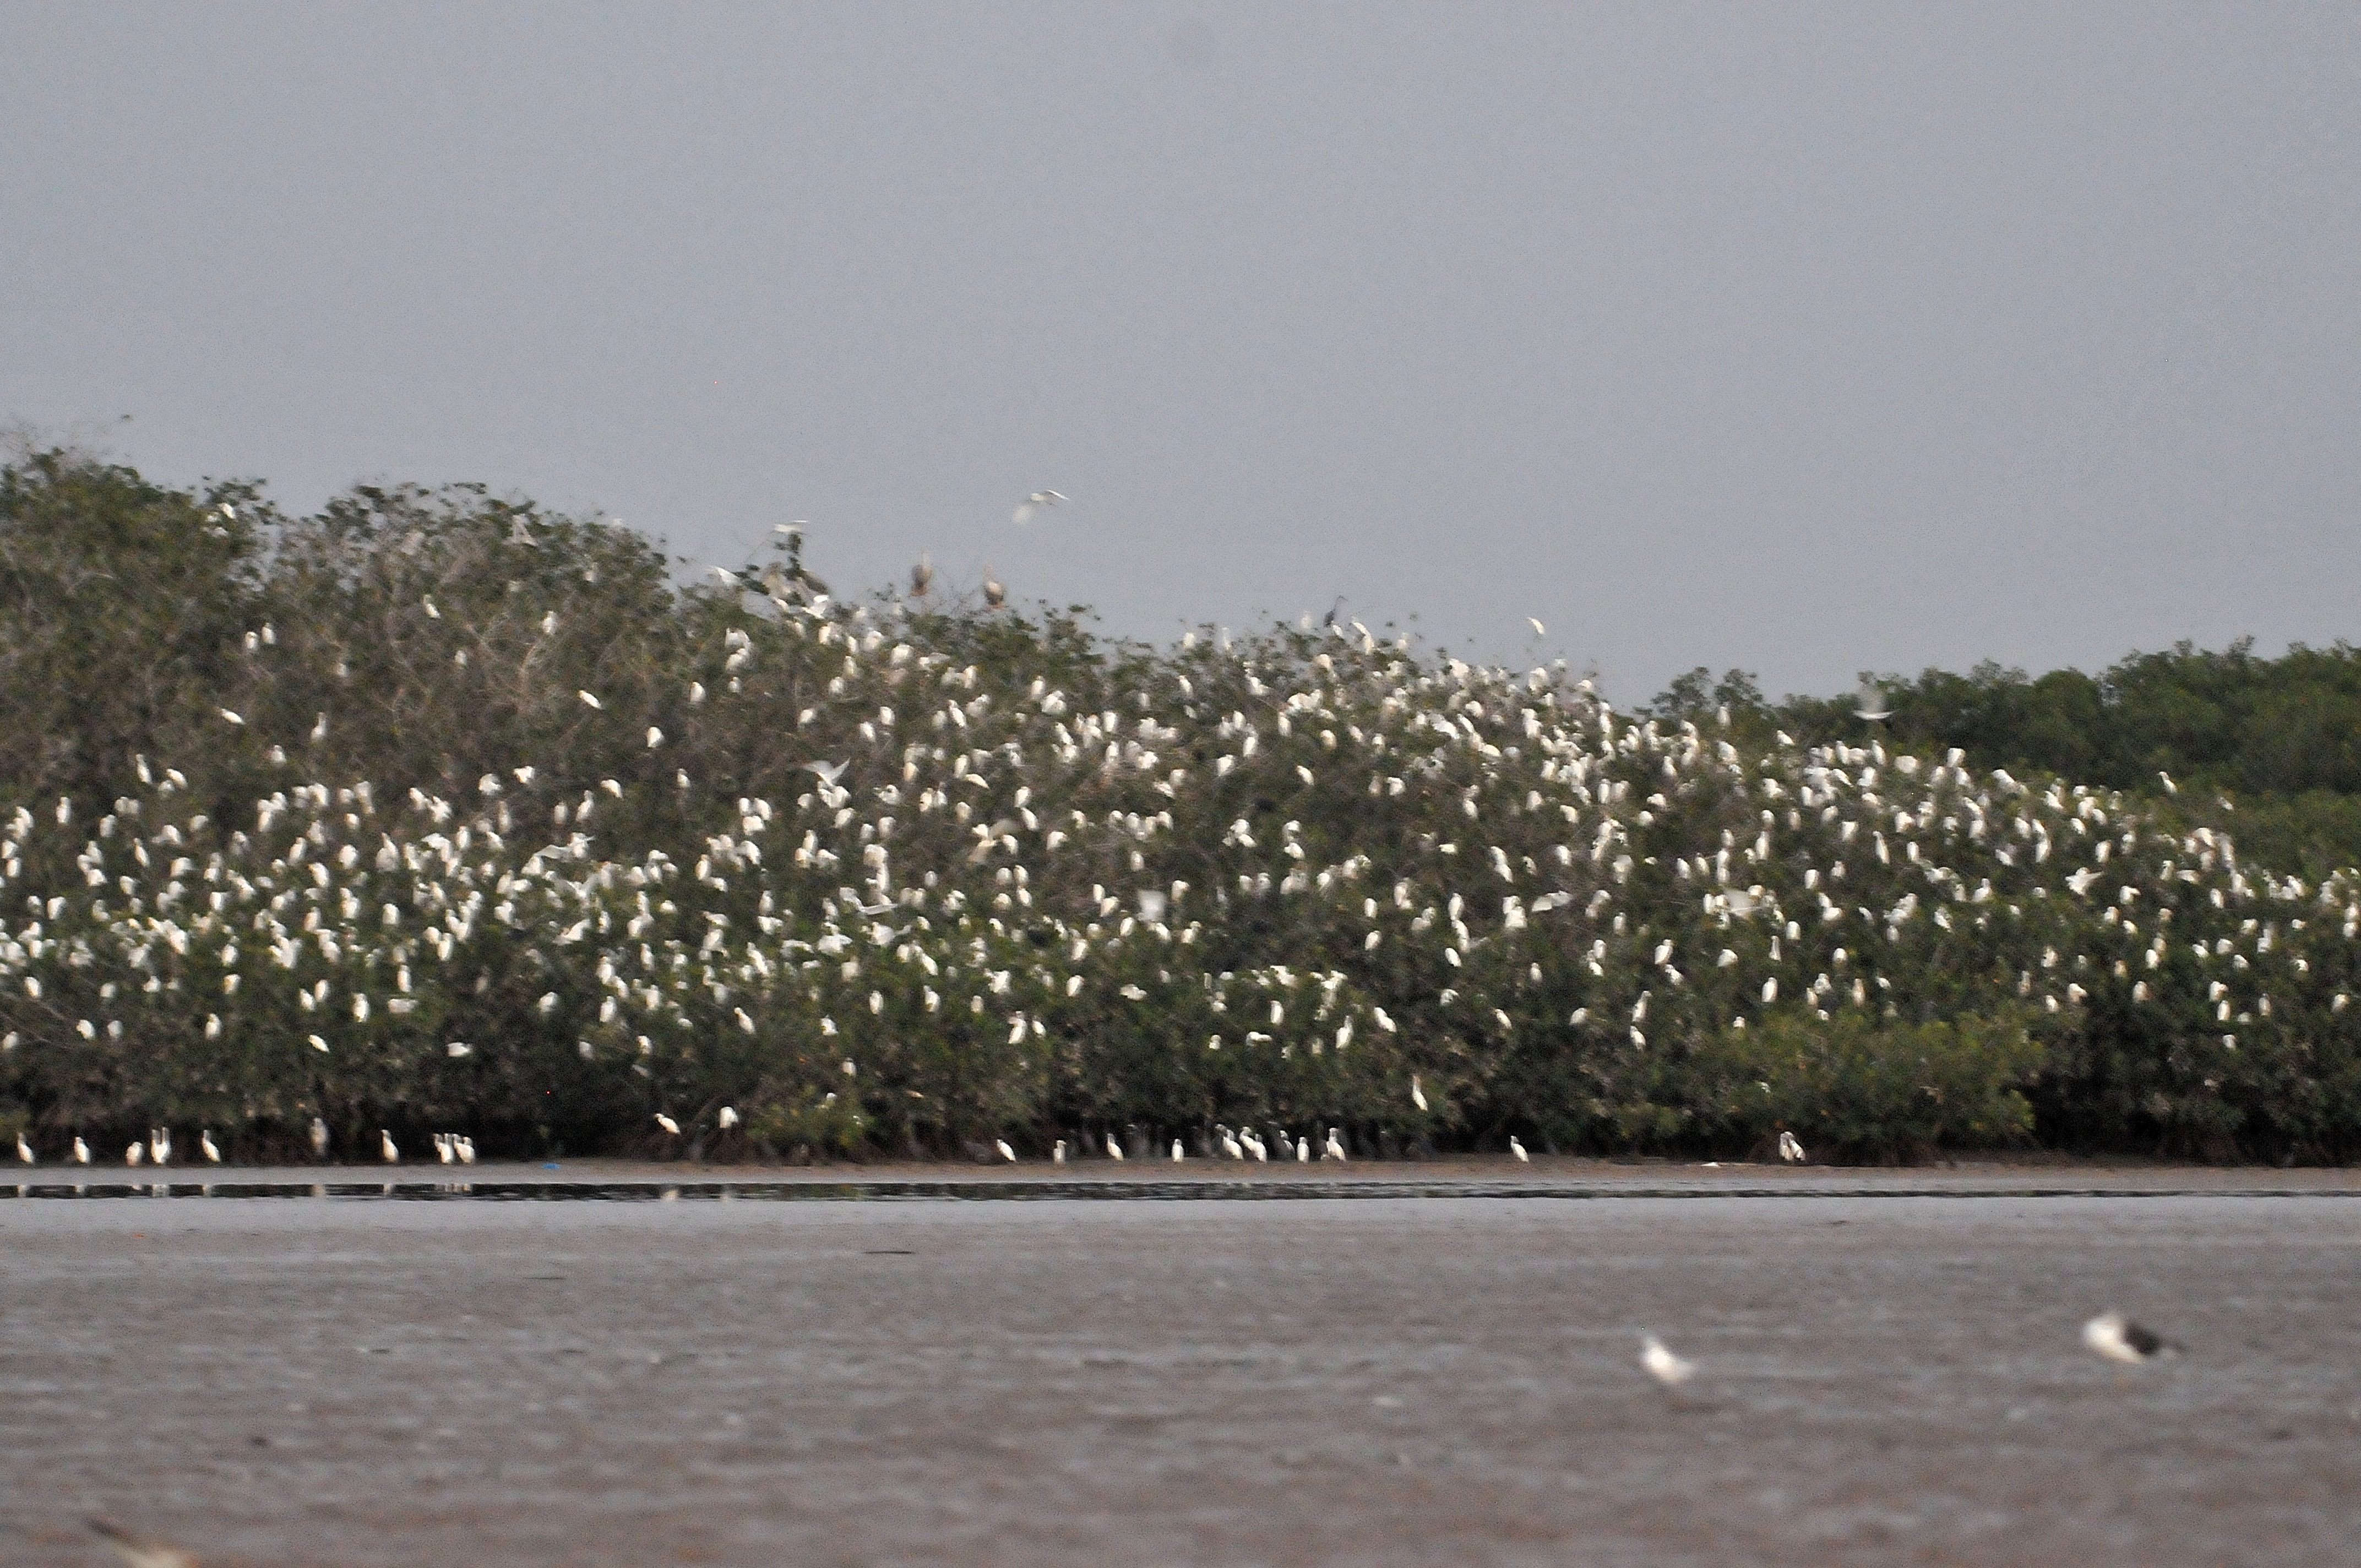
<point x="1313" y="878"/>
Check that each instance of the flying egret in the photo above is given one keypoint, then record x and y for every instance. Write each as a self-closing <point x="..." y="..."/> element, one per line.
<point x="2118" y="1338"/>
<point x="995" y="593"/>
<point x="1035" y="502"/>
<point x="1539" y="630"/>
<point x="1663" y="1366"/>
<point x="1870" y="706"/>
<point x="136" y="1551"/>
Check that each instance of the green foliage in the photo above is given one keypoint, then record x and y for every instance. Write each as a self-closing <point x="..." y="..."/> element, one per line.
<point x="1864" y="1087"/>
<point x="434" y="810"/>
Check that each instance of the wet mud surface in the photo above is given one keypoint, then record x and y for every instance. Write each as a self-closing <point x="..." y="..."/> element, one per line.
<point x="1889" y="1373"/>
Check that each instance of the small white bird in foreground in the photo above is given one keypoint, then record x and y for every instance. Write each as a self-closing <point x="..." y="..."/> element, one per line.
<point x="671" y="1127"/>
<point x="1518" y="1148"/>
<point x="137" y="1552"/>
<point x="2117" y="1338"/>
<point x="206" y="1146"/>
<point x="386" y="1149"/>
<point x="1035" y="502"/>
<point x="1006" y="1152"/>
<point x="1663" y="1366"/>
<point x="1789" y="1150"/>
<point x="727" y="1119"/>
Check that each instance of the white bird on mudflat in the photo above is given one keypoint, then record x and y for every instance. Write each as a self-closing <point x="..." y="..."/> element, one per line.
<point x="467" y="1146"/>
<point x="1518" y="1149"/>
<point x="1058" y="1151"/>
<point x="160" y="1145"/>
<point x="1303" y="1151"/>
<point x="1006" y="1152"/>
<point x="81" y="1152"/>
<point x="1256" y="1146"/>
<point x="1790" y="1150"/>
<point x="386" y="1149"/>
<point x="1113" y="1148"/>
<point x="1663" y="1366"/>
<point x="671" y="1127"/>
<point x="727" y="1119"/>
<point x="139" y="1552"/>
<point x="444" y="1153"/>
<point x="1335" y="1149"/>
<point x="1230" y="1145"/>
<point x="1035" y="502"/>
<point x="1176" y="1155"/>
<point x="2117" y="1338"/>
<point x="206" y="1146"/>
<point x="135" y="1154"/>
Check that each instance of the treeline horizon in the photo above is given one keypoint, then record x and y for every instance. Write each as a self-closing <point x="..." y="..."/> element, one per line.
<point x="436" y="810"/>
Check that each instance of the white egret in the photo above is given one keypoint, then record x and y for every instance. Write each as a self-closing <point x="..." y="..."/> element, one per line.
<point x="2119" y="1339"/>
<point x="671" y="1127"/>
<point x="1007" y="1153"/>
<point x="1517" y="1148"/>
<point x="386" y="1149"/>
<point x="1663" y="1366"/>
<point x="206" y="1146"/>
<point x="1034" y="503"/>
<point x="1790" y="1150"/>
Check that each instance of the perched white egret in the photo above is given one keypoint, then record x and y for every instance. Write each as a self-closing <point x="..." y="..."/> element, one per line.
<point x="206" y="1146"/>
<point x="1335" y="1149"/>
<point x="2118" y="1338"/>
<point x="671" y="1127"/>
<point x="1230" y="1145"/>
<point x="467" y="1146"/>
<point x="1058" y="1151"/>
<point x="726" y="1118"/>
<point x="444" y="1153"/>
<point x="24" y="1149"/>
<point x="386" y="1149"/>
<point x="1663" y="1366"/>
<point x="1006" y="1152"/>
<point x="81" y="1152"/>
<point x="1176" y="1155"/>
<point x="1417" y="1094"/>
<point x="1114" y="1148"/>
<point x="1517" y="1148"/>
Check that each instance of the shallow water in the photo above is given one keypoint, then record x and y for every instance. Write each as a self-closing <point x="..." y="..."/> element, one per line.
<point x="1367" y="1376"/>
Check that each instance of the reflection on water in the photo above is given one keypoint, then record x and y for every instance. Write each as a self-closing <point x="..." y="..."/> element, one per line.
<point x="1093" y="1192"/>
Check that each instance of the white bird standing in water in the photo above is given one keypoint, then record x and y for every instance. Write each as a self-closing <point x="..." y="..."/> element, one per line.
<point x="1518" y="1148"/>
<point x="1790" y="1150"/>
<point x="206" y="1146"/>
<point x="1663" y="1366"/>
<point x="2119" y="1339"/>
<point x="386" y="1149"/>
<point x="1035" y="502"/>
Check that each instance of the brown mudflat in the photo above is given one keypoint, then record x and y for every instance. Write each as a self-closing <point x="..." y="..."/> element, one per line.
<point x="1889" y="1373"/>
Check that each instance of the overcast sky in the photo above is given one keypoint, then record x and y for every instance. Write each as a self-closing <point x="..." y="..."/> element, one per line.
<point x="1803" y="340"/>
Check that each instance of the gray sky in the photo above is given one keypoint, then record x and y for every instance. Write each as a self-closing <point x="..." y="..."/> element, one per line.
<point x="1865" y="338"/>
